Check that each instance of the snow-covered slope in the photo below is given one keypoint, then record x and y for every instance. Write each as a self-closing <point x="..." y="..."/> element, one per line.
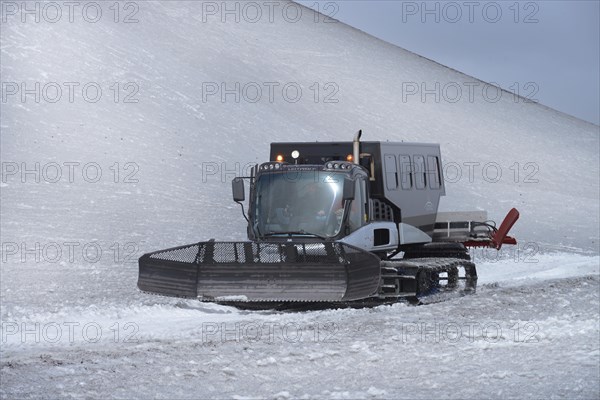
<point x="70" y="243"/>
<point x="548" y="160"/>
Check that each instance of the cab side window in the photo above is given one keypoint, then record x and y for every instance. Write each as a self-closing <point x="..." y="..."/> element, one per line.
<point x="357" y="206"/>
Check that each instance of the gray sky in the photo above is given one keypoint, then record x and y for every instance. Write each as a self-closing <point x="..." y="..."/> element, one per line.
<point x="555" y="45"/>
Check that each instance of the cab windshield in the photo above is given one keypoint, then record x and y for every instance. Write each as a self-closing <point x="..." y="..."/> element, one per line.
<point x="299" y="202"/>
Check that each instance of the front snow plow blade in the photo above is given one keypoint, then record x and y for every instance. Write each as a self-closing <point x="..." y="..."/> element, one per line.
<point x="261" y="272"/>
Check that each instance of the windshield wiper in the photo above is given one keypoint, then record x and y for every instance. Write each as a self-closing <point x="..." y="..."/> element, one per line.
<point x="290" y="233"/>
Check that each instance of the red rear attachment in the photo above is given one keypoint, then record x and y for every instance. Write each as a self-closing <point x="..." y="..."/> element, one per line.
<point x="499" y="236"/>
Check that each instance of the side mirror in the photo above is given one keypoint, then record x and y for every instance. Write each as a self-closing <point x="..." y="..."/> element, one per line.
<point x="349" y="189"/>
<point x="237" y="186"/>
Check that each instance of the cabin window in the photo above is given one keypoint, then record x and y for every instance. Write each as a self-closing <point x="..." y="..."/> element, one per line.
<point x="433" y="166"/>
<point x="419" y="172"/>
<point x="391" y="172"/>
<point x="406" y="176"/>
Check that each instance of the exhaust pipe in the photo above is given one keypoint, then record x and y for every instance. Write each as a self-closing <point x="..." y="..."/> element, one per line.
<point x="356" y="147"/>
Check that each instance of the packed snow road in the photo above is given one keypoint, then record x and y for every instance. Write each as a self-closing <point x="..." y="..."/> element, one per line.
<point x="532" y="330"/>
